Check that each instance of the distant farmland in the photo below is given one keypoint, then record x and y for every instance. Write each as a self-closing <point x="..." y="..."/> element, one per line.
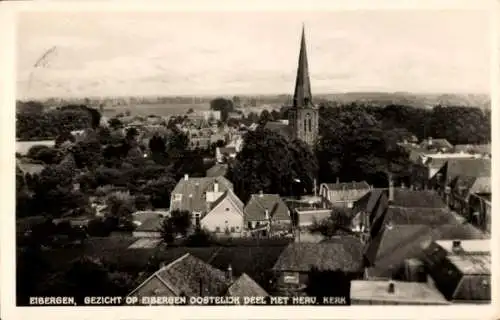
<point x="160" y="109"/>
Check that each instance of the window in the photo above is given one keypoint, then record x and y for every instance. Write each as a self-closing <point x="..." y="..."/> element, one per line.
<point x="232" y="229"/>
<point x="310" y="121"/>
<point x="177" y="197"/>
<point x="305" y="125"/>
<point x="227" y="209"/>
<point x="291" y="277"/>
<point x="237" y="228"/>
<point x="217" y="229"/>
<point x="249" y="225"/>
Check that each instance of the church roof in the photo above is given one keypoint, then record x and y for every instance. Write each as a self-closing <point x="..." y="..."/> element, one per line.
<point x="302" y="97"/>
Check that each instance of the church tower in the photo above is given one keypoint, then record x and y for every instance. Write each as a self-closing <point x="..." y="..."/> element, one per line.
<point x="303" y="116"/>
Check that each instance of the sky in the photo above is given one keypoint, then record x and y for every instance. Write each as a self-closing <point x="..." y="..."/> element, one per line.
<point x="195" y="53"/>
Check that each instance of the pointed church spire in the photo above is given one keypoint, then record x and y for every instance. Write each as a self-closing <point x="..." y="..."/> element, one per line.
<point x="302" y="96"/>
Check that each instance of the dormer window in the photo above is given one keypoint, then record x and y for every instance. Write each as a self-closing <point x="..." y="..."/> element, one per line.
<point x="177" y="197"/>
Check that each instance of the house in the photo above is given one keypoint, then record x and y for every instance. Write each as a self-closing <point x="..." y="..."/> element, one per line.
<point x="460" y="167"/>
<point x="185" y="276"/>
<point x="461" y="270"/>
<point x="222" y="154"/>
<point x="267" y="210"/>
<point x="365" y="292"/>
<point x="387" y="254"/>
<point x="226" y="216"/>
<point x="217" y="170"/>
<point x="196" y="195"/>
<point x="149" y="228"/>
<point x="436" y="145"/>
<point x="344" y="194"/>
<point x="295" y="264"/>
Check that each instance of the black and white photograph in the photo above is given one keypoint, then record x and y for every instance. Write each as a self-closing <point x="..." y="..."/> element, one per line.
<point x="253" y="158"/>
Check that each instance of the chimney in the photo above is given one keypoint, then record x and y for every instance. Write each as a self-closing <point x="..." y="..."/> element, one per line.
<point x="338" y="180"/>
<point x="261" y="193"/>
<point x="456" y="246"/>
<point x="391" y="287"/>
<point x="216" y="186"/>
<point x="429" y="141"/>
<point x="186" y="177"/>
<point x="267" y="215"/>
<point x="229" y="274"/>
<point x="391" y="190"/>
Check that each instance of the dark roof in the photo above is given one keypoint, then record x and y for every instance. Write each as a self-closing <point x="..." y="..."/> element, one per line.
<point x="392" y="246"/>
<point x="217" y="170"/>
<point x="460" y="277"/>
<point x="187" y="275"/>
<point x="245" y="286"/>
<point x="227" y="150"/>
<point x="255" y="210"/>
<point x="468" y="167"/>
<point x="281" y="128"/>
<point x="229" y="194"/>
<point x="417" y="199"/>
<point x="424" y="216"/>
<point x="344" y="253"/>
<point x="355" y="185"/>
<point x="197" y="188"/>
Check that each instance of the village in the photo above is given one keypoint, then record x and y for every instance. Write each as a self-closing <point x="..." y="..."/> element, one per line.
<point x="418" y="239"/>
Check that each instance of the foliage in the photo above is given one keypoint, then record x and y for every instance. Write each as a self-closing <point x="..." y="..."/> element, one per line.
<point x="355" y="146"/>
<point x="115" y="123"/>
<point x="121" y="205"/>
<point x="177" y="224"/>
<point x="45" y="154"/>
<point x="50" y="124"/>
<point x="199" y="238"/>
<point x="339" y="219"/>
<point x="223" y="105"/>
<point x="270" y="163"/>
<point x="159" y="191"/>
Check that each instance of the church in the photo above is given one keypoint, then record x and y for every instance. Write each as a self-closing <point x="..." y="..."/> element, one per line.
<point x="303" y="116"/>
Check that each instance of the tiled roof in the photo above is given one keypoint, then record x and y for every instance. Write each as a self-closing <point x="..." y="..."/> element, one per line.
<point x="355" y="185"/>
<point x="343" y="253"/>
<point x="281" y="128"/>
<point x="468" y="167"/>
<point x="245" y="286"/>
<point x="363" y="291"/>
<point x="423" y="216"/>
<point x="196" y="188"/>
<point x="217" y="170"/>
<point x="227" y="150"/>
<point x="188" y="276"/>
<point x="417" y="199"/>
<point x="255" y="210"/>
<point x="392" y="246"/>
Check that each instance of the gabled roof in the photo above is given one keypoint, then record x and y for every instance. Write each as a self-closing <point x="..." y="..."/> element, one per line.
<point x="344" y="253"/>
<point x="193" y="192"/>
<point x="245" y="286"/>
<point x="188" y="276"/>
<point x="255" y="209"/>
<point x="231" y="196"/>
